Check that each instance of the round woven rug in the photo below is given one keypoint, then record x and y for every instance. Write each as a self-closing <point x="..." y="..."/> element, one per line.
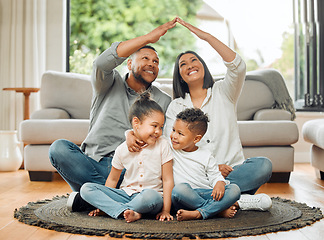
<point x="284" y="215"/>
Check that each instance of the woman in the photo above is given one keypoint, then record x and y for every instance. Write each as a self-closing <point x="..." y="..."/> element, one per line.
<point x="193" y="86"/>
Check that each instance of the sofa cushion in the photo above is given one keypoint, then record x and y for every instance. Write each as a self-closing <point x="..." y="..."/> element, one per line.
<point x="47" y="131"/>
<point x="255" y="95"/>
<point x="272" y="114"/>
<point x="268" y="133"/>
<point x="50" y="113"/>
<point x="71" y="92"/>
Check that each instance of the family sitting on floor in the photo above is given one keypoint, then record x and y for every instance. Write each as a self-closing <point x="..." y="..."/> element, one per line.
<point x="197" y="168"/>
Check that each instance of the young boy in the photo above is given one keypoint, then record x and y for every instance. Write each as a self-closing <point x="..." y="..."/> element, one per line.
<point x="200" y="190"/>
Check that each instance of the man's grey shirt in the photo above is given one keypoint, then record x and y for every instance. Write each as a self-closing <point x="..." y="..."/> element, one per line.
<point x="112" y="98"/>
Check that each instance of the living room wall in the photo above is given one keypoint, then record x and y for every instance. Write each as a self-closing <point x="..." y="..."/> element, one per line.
<point x="32" y="40"/>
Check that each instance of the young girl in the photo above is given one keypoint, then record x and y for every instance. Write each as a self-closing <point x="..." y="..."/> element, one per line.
<point x="148" y="172"/>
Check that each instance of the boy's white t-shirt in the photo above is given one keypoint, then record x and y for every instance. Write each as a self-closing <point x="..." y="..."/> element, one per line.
<point x="144" y="168"/>
<point x="198" y="168"/>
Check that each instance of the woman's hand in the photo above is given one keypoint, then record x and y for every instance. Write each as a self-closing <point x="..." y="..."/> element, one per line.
<point x="218" y="191"/>
<point x="225" y="169"/>
<point x="164" y="215"/>
<point x="224" y="51"/>
<point x="198" y="32"/>
<point x="133" y="143"/>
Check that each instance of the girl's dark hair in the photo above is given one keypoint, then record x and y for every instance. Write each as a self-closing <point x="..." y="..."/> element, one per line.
<point x="143" y="106"/>
<point x="180" y="87"/>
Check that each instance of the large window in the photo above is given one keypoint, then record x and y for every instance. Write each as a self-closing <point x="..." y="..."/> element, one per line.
<point x="309" y="56"/>
<point x="285" y="35"/>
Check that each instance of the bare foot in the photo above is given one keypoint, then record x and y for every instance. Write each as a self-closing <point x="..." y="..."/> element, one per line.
<point x="131" y="215"/>
<point x="229" y="212"/>
<point x="96" y="212"/>
<point x="236" y="205"/>
<point x="184" y="215"/>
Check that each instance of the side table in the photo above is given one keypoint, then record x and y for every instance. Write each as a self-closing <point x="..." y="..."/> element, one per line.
<point x="26" y="92"/>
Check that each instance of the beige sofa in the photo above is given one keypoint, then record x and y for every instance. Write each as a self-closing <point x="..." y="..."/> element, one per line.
<point x="65" y="104"/>
<point x="313" y="132"/>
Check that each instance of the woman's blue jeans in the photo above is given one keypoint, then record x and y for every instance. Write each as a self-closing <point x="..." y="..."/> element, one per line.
<point x="185" y="197"/>
<point x="75" y="167"/>
<point x="251" y="174"/>
<point x="114" y="201"/>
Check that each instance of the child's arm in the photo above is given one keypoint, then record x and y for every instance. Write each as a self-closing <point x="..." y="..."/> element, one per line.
<point x="218" y="190"/>
<point x="216" y="179"/>
<point x="167" y="179"/>
<point x="113" y="177"/>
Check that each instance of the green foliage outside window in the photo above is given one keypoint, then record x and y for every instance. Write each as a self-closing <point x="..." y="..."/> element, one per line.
<point x="96" y="24"/>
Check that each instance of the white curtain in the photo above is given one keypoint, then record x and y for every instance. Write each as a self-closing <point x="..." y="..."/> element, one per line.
<point x="22" y="56"/>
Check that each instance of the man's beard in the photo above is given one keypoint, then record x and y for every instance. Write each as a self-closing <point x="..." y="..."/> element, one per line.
<point x="140" y="79"/>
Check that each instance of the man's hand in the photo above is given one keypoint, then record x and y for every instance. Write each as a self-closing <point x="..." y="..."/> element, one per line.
<point x="218" y="191"/>
<point x="225" y="169"/>
<point x="158" y="32"/>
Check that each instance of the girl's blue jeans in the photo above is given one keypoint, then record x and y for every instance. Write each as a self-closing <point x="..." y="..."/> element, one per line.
<point x="185" y="197"/>
<point x="114" y="201"/>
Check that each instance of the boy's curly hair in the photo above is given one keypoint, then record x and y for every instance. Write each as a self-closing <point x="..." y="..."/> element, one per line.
<point x="197" y="120"/>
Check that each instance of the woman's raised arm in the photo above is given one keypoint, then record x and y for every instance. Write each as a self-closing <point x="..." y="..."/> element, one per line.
<point x="224" y="51"/>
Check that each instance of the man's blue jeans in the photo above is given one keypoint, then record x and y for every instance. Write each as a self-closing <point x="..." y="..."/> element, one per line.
<point x="251" y="174"/>
<point x="75" y="167"/>
<point x="185" y="197"/>
<point x="114" y="201"/>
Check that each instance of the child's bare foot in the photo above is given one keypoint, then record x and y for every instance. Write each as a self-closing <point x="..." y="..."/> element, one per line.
<point x="96" y="212"/>
<point x="229" y="212"/>
<point x="131" y="215"/>
<point x="184" y="215"/>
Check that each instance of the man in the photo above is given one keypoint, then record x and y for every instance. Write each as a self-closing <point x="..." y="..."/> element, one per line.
<point x="112" y="97"/>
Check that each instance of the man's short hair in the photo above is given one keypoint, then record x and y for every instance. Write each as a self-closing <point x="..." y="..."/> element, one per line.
<point x="146" y="46"/>
<point x="197" y="120"/>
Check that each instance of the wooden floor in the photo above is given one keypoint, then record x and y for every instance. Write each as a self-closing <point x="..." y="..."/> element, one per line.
<point x="16" y="190"/>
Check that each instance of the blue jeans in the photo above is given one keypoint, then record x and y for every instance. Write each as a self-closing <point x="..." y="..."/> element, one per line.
<point x="114" y="201"/>
<point x="185" y="197"/>
<point x="251" y="174"/>
<point x="75" y="167"/>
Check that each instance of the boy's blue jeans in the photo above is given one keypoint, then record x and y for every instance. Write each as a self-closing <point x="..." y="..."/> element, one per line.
<point x="185" y="197"/>
<point x="76" y="168"/>
<point x="114" y="201"/>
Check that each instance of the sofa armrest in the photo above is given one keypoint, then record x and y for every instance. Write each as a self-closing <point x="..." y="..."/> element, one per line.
<point x="272" y="114"/>
<point x="50" y="113"/>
